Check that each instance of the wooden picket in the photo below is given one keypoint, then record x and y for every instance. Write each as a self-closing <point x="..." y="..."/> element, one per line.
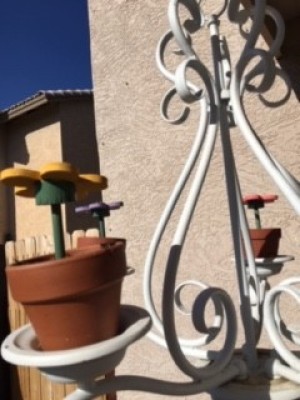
<point x="28" y="383"/>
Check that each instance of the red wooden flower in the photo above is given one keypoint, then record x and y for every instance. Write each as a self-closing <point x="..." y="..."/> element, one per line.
<point x="258" y="201"/>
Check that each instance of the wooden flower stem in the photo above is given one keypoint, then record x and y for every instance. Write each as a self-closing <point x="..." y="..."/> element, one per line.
<point x="58" y="236"/>
<point x="101" y="223"/>
<point x="102" y="227"/>
<point x="257" y="218"/>
<point x="54" y="194"/>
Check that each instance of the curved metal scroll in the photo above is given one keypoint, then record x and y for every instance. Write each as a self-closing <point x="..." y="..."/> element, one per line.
<point x="219" y="97"/>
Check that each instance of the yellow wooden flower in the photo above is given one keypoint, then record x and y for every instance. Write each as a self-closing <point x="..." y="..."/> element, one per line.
<point x="27" y="191"/>
<point x="59" y="171"/>
<point x="91" y="182"/>
<point x="30" y="183"/>
<point x="19" y="177"/>
<point x="88" y="183"/>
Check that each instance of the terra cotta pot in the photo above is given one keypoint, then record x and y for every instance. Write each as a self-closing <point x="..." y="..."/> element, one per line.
<point x="87" y="241"/>
<point x="73" y="301"/>
<point x="265" y="242"/>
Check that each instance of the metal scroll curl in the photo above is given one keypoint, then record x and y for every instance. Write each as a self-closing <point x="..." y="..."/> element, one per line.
<point x="277" y="328"/>
<point x="255" y="72"/>
<point x="202" y="149"/>
<point x="267" y="71"/>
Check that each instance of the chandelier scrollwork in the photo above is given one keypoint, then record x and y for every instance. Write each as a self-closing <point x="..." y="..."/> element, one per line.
<point x="220" y="98"/>
<point x="276" y="327"/>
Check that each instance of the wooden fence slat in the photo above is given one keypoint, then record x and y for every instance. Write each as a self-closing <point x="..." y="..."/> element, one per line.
<point x="39" y="242"/>
<point x="44" y="245"/>
<point x="48" y="244"/>
<point x="74" y="237"/>
<point x="68" y="244"/>
<point x="20" y="250"/>
<point x="93" y="232"/>
<point x="30" y="247"/>
<point x="10" y="253"/>
<point x="35" y="384"/>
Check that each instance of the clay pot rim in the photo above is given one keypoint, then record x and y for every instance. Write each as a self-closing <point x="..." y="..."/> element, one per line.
<point x="99" y="240"/>
<point x="264" y="232"/>
<point x="84" y="270"/>
<point x="265" y="229"/>
<point x="78" y="254"/>
<point x="78" y="295"/>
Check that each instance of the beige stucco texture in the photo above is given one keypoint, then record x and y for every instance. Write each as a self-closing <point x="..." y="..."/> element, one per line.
<point x="30" y="143"/>
<point x="142" y="156"/>
<point x="62" y="130"/>
<point x="37" y="149"/>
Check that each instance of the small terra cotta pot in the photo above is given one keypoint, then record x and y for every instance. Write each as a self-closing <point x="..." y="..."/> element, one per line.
<point x="265" y="242"/>
<point x="73" y="301"/>
<point x="88" y="241"/>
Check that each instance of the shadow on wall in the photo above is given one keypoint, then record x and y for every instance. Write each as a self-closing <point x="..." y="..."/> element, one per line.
<point x="290" y="61"/>
<point x="62" y="130"/>
<point x="291" y="65"/>
<point x="17" y="151"/>
<point x="80" y="148"/>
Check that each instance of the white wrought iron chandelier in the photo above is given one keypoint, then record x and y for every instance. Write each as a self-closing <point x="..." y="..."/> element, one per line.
<point x="246" y="374"/>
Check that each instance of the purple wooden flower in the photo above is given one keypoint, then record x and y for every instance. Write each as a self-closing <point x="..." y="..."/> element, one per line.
<point x="82" y="209"/>
<point x="99" y="207"/>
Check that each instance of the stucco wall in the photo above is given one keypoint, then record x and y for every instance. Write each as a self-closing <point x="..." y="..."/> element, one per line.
<point x="59" y="131"/>
<point x="33" y="140"/>
<point x="142" y="157"/>
<point x="79" y="146"/>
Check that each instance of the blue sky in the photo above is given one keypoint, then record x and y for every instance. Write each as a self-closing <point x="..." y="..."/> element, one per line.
<point x="44" y="44"/>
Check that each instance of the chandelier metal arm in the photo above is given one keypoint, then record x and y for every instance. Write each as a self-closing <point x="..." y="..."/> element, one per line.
<point x="246" y="312"/>
<point x="234" y="197"/>
<point x="153" y="248"/>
